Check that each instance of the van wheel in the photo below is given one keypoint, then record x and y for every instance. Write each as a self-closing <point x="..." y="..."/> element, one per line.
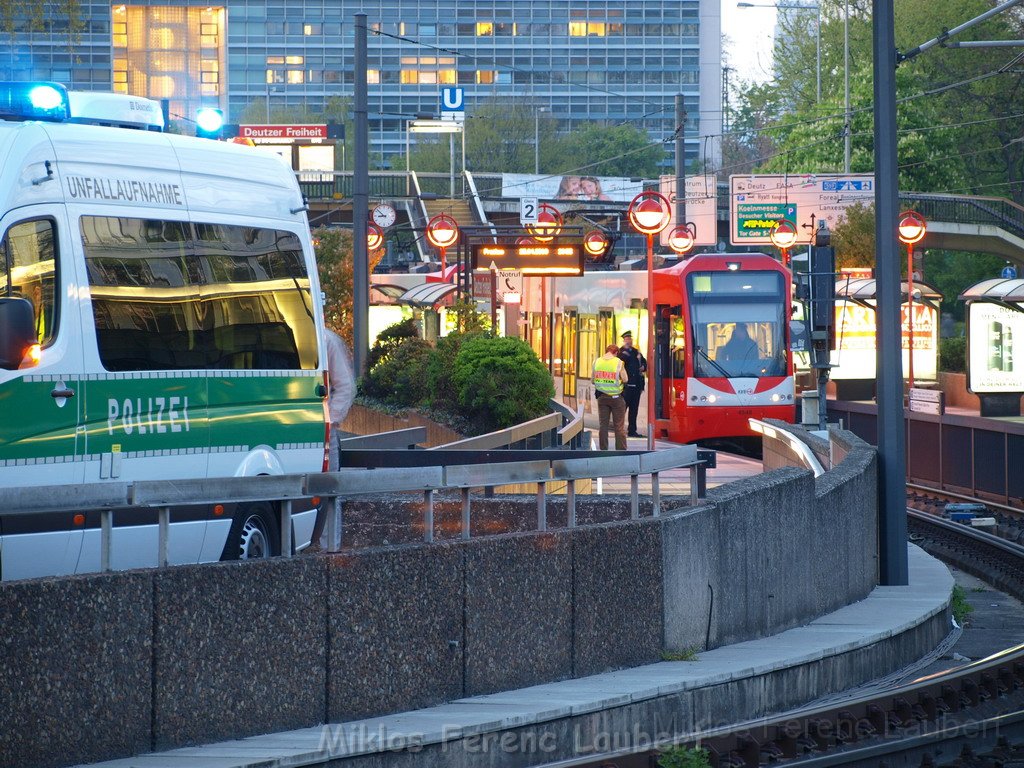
<point x="254" y="533"/>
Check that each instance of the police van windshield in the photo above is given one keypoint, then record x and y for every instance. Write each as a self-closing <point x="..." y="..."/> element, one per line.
<point x="172" y="295"/>
<point x="738" y="322"/>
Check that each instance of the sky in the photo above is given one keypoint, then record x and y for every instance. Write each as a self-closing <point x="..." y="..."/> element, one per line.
<point x="749" y="40"/>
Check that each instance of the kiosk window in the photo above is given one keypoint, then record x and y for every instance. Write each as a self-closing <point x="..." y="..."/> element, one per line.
<point x="29" y="272"/>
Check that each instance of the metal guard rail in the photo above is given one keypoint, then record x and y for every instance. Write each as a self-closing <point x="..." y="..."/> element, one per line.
<point x="968" y="210"/>
<point x="109" y="498"/>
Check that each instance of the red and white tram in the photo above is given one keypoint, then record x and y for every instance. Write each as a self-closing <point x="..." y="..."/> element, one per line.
<point x="722" y="352"/>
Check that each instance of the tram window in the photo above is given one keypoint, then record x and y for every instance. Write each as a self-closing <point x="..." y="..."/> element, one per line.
<point x="588" y="344"/>
<point x="678" y="346"/>
<point x="739" y="324"/>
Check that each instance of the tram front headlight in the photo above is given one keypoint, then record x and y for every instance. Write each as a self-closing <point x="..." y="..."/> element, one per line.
<point x="712" y="399"/>
<point x="776" y="398"/>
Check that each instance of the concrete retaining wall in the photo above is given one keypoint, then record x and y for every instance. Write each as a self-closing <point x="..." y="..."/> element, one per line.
<point x="115" y="664"/>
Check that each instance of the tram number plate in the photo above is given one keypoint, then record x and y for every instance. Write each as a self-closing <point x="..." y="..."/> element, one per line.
<point x="745" y="412"/>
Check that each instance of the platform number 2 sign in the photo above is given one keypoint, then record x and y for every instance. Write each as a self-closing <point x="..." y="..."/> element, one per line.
<point x="528" y="210"/>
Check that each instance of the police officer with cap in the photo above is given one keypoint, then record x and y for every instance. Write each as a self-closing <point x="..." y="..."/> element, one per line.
<point x="636" y="367"/>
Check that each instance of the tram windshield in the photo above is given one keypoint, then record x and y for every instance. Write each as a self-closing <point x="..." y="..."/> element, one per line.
<point x="738" y="324"/>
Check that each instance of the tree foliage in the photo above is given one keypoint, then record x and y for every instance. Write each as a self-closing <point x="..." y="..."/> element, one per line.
<point x="40" y="15"/>
<point x="502" y="137"/>
<point x="956" y="111"/>
<point x="334" y="253"/>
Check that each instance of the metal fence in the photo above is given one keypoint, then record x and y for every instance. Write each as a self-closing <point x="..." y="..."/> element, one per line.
<point x="163" y="495"/>
<point x="968" y="210"/>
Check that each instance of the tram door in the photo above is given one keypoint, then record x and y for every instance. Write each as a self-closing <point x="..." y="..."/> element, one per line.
<point x="669" y="357"/>
<point x="570" y="353"/>
<point x="605" y="329"/>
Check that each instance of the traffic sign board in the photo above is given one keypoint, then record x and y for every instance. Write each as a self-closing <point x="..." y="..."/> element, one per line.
<point x="1009" y="272"/>
<point x="453" y="103"/>
<point x="529" y="207"/>
<point x="823" y="196"/>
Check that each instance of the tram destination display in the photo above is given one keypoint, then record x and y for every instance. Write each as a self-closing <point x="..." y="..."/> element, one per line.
<point x="531" y="259"/>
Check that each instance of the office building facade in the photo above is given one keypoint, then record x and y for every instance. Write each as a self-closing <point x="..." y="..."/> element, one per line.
<point x="575" y="61"/>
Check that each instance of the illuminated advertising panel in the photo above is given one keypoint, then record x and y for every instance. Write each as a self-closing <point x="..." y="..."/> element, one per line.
<point x="991" y="332"/>
<point x="855" y="341"/>
<point x="532" y="259"/>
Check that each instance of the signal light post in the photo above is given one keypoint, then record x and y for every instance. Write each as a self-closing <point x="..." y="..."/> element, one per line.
<point x="783" y="237"/>
<point x="911" y="229"/>
<point x="442" y="233"/>
<point x="650" y="213"/>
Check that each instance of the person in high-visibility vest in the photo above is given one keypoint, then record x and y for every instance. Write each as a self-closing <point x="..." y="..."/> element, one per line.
<point x="609" y="381"/>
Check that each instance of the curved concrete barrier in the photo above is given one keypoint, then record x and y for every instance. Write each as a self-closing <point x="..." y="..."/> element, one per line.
<point x="101" y="666"/>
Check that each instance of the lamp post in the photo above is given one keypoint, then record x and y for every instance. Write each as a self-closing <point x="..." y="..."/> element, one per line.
<point x="536" y="138"/>
<point x="783" y="237"/>
<point x="911" y="228"/>
<point x="548" y="226"/>
<point x="374" y="237"/>
<point x="817" y="37"/>
<point x="595" y="243"/>
<point x="442" y="232"/>
<point x="649" y="213"/>
<point x="682" y="238"/>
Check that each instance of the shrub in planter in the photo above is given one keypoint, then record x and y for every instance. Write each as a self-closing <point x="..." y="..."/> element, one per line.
<point x="443" y="393"/>
<point x="375" y="384"/>
<point x="953" y="354"/>
<point x="400" y="378"/>
<point x="501" y="382"/>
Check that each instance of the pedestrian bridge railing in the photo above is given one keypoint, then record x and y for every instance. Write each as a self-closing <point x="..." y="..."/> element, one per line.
<point x="452" y="471"/>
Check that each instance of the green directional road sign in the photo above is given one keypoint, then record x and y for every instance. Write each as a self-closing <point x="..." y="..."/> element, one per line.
<point x="756" y="220"/>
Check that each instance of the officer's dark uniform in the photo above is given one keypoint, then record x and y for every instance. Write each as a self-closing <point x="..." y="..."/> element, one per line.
<point x="636" y="367"/>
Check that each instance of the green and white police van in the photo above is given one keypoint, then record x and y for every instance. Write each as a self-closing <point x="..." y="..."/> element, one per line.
<point x="160" y="318"/>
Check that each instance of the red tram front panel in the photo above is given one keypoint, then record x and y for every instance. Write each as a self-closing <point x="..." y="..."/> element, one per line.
<point x="722" y="352"/>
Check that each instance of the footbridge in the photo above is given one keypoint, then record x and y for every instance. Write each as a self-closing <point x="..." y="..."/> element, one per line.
<point x="955" y="222"/>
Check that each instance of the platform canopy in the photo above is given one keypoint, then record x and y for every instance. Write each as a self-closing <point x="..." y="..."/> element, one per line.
<point x="996" y="289"/>
<point x="428" y="294"/>
<point x="863" y="290"/>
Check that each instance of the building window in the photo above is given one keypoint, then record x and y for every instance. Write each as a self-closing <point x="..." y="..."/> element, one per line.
<point x="485" y="77"/>
<point x="484" y="29"/>
<point x="372" y="76"/>
<point x="296" y="76"/>
<point x="587" y="28"/>
<point x="312" y="29"/>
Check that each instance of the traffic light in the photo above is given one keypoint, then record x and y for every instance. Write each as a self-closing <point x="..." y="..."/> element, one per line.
<point x="209" y="123"/>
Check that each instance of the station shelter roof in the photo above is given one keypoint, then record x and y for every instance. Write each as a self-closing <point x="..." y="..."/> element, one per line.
<point x="863" y="290"/>
<point x="427" y="294"/>
<point x="996" y="290"/>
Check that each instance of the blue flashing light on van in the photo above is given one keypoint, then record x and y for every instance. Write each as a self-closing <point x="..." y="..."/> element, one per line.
<point x="209" y="123"/>
<point x="33" y="101"/>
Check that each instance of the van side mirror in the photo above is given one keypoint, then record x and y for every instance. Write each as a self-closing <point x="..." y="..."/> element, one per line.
<point x="17" y="331"/>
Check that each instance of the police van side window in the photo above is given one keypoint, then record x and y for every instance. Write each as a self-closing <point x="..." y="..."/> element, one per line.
<point x="175" y="295"/>
<point x="29" y="264"/>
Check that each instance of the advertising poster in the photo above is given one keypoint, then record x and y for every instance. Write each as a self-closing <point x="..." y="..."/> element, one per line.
<point x="854" y="356"/>
<point x="757" y="202"/>
<point x="701" y="207"/>
<point x="571" y="187"/>
<point x="992" y="331"/>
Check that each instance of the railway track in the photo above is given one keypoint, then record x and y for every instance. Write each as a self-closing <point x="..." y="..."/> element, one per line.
<point x="970" y="716"/>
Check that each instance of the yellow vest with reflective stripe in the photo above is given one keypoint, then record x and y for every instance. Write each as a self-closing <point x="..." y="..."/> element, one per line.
<point x="606" y="376"/>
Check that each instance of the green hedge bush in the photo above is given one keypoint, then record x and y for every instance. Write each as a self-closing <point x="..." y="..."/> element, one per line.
<point x="953" y="354"/>
<point x="500" y="382"/>
<point x="471" y="378"/>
